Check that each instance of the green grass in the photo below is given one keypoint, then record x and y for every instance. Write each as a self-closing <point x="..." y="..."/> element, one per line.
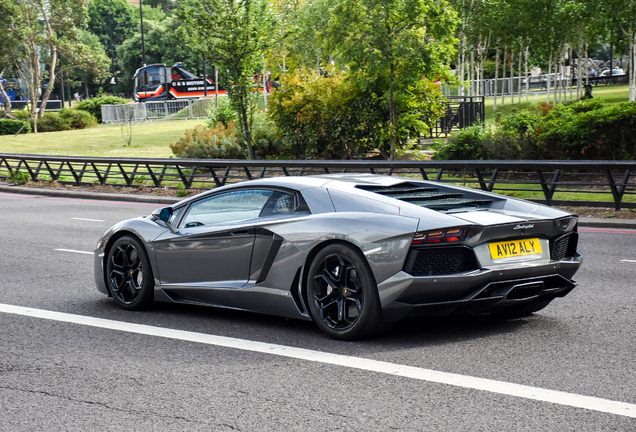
<point x="148" y="141"/>
<point x="609" y="93"/>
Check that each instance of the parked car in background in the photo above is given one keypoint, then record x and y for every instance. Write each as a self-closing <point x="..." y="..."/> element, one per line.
<point x="615" y="72"/>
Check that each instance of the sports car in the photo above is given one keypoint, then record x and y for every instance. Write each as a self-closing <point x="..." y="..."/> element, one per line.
<point x="352" y="252"/>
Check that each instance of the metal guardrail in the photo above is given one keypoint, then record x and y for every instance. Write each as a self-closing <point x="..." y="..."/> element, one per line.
<point x="613" y="181"/>
<point x="158" y="110"/>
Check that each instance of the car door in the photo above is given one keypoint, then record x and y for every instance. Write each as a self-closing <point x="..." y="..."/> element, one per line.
<point x="213" y="245"/>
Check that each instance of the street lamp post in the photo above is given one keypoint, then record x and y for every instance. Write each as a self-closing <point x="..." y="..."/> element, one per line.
<point x="143" y="47"/>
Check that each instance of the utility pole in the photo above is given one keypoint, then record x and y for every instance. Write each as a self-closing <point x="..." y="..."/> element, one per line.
<point x="143" y="46"/>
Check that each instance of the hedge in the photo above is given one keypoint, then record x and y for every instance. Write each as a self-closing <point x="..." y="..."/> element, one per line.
<point x="11" y="127"/>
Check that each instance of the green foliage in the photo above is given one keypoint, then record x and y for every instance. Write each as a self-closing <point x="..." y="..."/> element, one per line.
<point x="122" y="21"/>
<point x="50" y="122"/>
<point x="332" y="115"/>
<point x="466" y="144"/>
<point x="11" y="127"/>
<point x="233" y="35"/>
<point x="66" y="119"/>
<point x="391" y="44"/>
<point x="20" y="178"/>
<point x="223" y="113"/>
<point x="73" y="118"/>
<point x="181" y="191"/>
<point x="94" y="106"/>
<point x="266" y="138"/>
<point x="590" y="130"/>
<point x="218" y="142"/>
<point x="585" y="130"/>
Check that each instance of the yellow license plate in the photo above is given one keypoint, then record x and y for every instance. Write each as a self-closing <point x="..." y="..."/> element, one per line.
<point x="515" y="248"/>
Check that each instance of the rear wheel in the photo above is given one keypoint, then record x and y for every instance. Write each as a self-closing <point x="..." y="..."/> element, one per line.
<point x="342" y="293"/>
<point x="130" y="279"/>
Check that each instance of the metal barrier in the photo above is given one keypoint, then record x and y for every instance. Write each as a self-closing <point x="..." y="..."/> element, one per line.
<point x="461" y="112"/>
<point x="159" y="110"/>
<point x="546" y="180"/>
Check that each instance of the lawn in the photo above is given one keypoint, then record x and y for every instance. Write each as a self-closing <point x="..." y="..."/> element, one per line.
<point x="149" y="140"/>
<point x="609" y="93"/>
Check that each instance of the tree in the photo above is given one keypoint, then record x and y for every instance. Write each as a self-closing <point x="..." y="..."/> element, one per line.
<point x="393" y="41"/>
<point x="232" y="35"/>
<point x="10" y="48"/>
<point x="122" y="21"/>
<point x="48" y="30"/>
<point x="622" y="14"/>
<point x="87" y="61"/>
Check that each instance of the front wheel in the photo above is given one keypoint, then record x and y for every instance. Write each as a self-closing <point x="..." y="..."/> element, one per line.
<point x="129" y="275"/>
<point x="342" y="294"/>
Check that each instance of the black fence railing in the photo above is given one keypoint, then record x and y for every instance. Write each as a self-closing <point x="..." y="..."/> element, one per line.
<point x="561" y="183"/>
<point x="461" y="112"/>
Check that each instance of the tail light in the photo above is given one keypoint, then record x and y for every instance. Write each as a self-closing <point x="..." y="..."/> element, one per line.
<point x="450" y="235"/>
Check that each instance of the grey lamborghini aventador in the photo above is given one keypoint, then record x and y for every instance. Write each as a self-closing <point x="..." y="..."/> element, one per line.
<point x="350" y="252"/>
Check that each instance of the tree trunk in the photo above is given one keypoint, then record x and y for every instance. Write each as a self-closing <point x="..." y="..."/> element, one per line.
<point x="519" y="71"/>
<point x="494" y="105"/>
<point x="632" y="69"/>
<point x="527" y="74"/>
<point x="503" y="78"/>
<point x="579" y="69"/>
<point x="246" y="128"/>
<point x="512" y="77"/>
<point x="548" y="77"/>
<point x="7" y="102"/>
<point x="392" y="111"/>
<point x="50" y="34"/>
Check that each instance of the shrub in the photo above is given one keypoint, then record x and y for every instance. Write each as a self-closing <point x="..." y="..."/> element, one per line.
<point x="50" y="122"/>
<point x="590" y="130"/>
<point x="340" y="115"/>
<point x="77" y="119"/>
<point x="223" y="113"/>
<point x="466" y="144"/>
<point x="94" y="106"/>
<point x="266" y="140"/>
<point x="218" y="142"/>
<point x="11" y="127"/>
<point x="586" y="130"/>
<point x="66" y="119"/>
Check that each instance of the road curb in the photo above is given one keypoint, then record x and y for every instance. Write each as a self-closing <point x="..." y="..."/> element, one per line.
<point x="167" y="200"/>
<point x="101" y="196"/>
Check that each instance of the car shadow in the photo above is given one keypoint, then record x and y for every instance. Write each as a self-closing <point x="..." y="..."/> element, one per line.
<point x="410" y="332"/>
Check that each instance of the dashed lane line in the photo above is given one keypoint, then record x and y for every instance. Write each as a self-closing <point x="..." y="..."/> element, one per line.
<point x="428" y="375"/>
<point x="89" y="220"/>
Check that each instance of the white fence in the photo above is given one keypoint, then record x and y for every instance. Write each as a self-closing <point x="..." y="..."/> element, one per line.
<point x="161" y="110"/>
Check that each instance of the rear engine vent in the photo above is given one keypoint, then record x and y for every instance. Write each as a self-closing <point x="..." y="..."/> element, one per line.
<point x="564" y="246"/>
<point x="440" y="261"/>
<point x="429" y="197"/>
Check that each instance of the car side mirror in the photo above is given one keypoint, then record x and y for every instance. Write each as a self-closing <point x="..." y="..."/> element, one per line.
<point x="164" y="215"/>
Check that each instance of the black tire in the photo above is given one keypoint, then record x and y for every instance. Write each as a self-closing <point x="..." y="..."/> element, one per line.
<point x="524" y="309"/>
<point x="129" y="275"/>
<point x="342" y="294"/>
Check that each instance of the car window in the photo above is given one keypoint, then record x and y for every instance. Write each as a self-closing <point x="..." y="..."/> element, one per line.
<point x="279" y="203"/>
<point x="232" y="206"/>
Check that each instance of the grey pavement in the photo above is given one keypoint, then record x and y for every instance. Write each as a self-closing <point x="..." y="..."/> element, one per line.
<point x="168" y="200"/>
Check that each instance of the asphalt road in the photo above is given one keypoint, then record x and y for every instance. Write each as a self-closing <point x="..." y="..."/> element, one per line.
<point x="60" y="375"/>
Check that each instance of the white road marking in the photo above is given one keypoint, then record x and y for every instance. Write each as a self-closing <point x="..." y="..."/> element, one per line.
<point x="633" y="261"/>
<point x="500" y="387"/>
<point x="90" y="220"/>
<point x="74" y="251"/>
